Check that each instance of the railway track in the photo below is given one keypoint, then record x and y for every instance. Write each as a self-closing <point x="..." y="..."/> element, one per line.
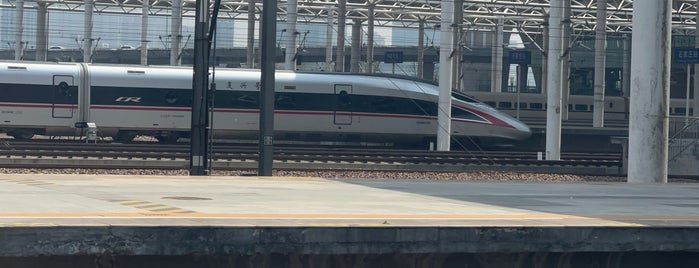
<point x="42" y="154"/>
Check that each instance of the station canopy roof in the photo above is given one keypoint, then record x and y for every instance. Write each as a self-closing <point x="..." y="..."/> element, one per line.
<point x="524" y="15"/>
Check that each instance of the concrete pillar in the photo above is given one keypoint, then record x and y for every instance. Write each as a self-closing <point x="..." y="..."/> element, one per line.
<point x="19" y="29"/>
<point x="250" y="47"/>
<point x="650" y="91"/>
<point x="341" y="20"/>
<point x="329" y="40"/>
<point x="356" y="49"/>
<point x="42" y="31"/>
<point x="87" y="33"/>
<point x="370" y="41"/>
<point x="565" y="60"/>
<point x="544" y="56"/>
<point x="176" y="33"/>
<point x="445" y="51"/>
<point x="291" y="14"/>
<point x="144" y="32"/>
<point x="496" y="77"/>
<point x="420" y="48"/>
<point x="626" y="71"/>
<point x="457" y="71"/>
<point x="553" y="82"/>
<point x="600" y="63"/>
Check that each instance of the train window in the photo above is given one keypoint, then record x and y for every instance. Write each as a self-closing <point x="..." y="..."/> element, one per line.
<point x="490" y="103"/>
<point x="581" y="107"/>
<point x="505" y="104"/>
<point x="680" y="110"/>
<point x="245" y="100"/>
<point x="383" y="104"/>
<point x="460" y="113"/>
<point x="523" y="105"/>
<point x="536" y="106"/>
<point x="63" y="89"/>
<point x="284" y="101"/>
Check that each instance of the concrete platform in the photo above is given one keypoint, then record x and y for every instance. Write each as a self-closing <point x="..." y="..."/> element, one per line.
<point x="70" y="215"/>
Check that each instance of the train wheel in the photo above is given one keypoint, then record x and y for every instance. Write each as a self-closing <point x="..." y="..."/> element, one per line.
<point x="21" y="134"/>
<point x="124" y="136"/>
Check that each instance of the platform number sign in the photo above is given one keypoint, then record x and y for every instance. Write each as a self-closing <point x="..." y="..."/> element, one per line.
<point x="687" y="55"/>
<point x="393" y="57"/>
<point x="520" y="57"/>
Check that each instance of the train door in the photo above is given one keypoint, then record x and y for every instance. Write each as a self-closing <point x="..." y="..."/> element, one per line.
<point x="343" y="104"/>
<point x="64" y="97"/>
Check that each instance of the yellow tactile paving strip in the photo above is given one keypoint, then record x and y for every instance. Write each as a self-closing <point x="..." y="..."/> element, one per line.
<point x="153" y="207"/>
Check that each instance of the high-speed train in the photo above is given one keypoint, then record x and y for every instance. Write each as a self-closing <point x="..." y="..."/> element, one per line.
<point x="126" y="101"/>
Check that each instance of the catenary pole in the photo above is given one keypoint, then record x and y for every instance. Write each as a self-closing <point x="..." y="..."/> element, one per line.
<point x="553" y="84"/>
<point x="198" y="160"/>
<point x="446" y="44"/>
<point x="266" y="142"/>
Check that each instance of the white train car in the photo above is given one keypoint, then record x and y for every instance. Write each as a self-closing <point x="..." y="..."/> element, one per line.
<point x="125" y="101"/>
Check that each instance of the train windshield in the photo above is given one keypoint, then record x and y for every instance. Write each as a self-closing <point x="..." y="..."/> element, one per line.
<point x="463" y="97"/>
<point x="460" y="113"/>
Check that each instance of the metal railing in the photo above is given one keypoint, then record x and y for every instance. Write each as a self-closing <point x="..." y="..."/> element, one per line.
<point x="684" y="134"/>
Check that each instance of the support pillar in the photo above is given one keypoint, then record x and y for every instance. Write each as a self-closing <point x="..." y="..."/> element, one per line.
<point x="565" y="60"/>
<point x="370" y="41"/>
<point x="356" y="49"/>
<point x="87" y="34"/>
<point x="250" y="48"/>
<point x="553" y="84"/>
<point x="176" y="33"/>
<point x="341" y="20"/>
<point x="600" y="62"/>
<point x="144" y="32"/>
<point x="291" y="15"/>
<point x="329" y="40"/>
<point x="626" y="72"/>
<point x="496" y="76"/>
<point x="420" y="48"/>
<point x="19" y="22"/>
<point x="445" y="52"/>
<point x="42" y="32"/>
<point x="650" y="92"/>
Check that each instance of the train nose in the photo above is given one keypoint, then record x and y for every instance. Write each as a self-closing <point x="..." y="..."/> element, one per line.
<point x="523" y="130"/>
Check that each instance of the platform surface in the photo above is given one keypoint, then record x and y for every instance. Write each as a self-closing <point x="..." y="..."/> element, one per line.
<point x="59" y="208"/>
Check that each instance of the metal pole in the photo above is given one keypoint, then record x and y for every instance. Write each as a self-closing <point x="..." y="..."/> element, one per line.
<point x="250" y="52"/>
<point x="42" y="31"/>
<point x="341" y="20"/>
<point x="329" y="40"/>
<point x="19" y="21"/>
<point x="600" y="62"/>
<point x="553" y="84"/>
<point x="565" y="60"/>
<point x="445" y="51"/>
<point x="144" y="32"/>
<point x="291" y="14"/>
<point x="370" y="40"/>
<point x="650" y="91"/>
<point x="176" y="33"/>
<point x="356" y="48"/>
<point x="87" y="40"/>
<point x="420" y="48"/>
<point x="198" y="161"/>
<point x="266" y="142"/>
